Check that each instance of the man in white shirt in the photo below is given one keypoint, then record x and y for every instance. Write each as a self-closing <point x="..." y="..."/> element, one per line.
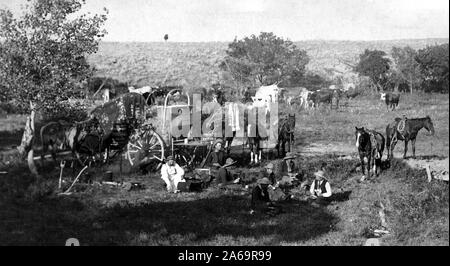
<point x="172" y="174"/>
<point x="320" y="188"/>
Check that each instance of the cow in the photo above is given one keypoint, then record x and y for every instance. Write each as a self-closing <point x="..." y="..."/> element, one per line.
<point x="391" y="99"/>
<point x="352" y="93"/>
<point x="324" y="96"/>
<point x="304" y="98"/>
<point x="266" y="94"/>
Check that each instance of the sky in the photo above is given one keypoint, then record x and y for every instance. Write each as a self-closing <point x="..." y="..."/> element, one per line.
<point x="297" y="20"/>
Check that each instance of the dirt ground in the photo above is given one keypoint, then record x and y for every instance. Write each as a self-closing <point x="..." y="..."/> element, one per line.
<point x="101" y="214"/>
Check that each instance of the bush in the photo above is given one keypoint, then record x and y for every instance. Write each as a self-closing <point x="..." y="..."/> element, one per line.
<point x="10" y="108"/>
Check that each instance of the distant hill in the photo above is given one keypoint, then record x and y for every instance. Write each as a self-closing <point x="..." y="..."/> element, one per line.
<point x="196" y="64"/>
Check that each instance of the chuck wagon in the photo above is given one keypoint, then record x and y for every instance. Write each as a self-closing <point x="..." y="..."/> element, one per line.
<point x="152" y="140"/>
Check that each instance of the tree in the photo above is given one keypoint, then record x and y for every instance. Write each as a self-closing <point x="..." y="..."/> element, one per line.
<point x="374" y="65"/>
<point x="43" y="57"/>
<point x="434" y="64"/>
<point x="43" y="52"/>
<point x="264" y="59"/>
<point x="407" y="68"/>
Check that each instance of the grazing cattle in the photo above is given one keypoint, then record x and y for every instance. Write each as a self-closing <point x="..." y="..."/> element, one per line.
<point x="370" y="145"/>
<point x="408" y="132"/>
<point x="391" y="99"/>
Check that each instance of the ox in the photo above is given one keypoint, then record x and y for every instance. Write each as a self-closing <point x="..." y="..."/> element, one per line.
<point x="305" y="98"/>
<point x="325" y="96"/>
<point x="266" y="94"/>
<point x="391" y="99"/>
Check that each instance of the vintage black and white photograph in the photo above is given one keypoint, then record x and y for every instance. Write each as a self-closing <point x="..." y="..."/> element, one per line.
<point x="251" y="123"/>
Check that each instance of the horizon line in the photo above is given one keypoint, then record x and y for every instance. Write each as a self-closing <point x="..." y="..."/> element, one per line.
<point x="306" y="40"/>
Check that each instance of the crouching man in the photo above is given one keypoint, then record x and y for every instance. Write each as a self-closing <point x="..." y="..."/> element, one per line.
<point x="172" y="174"/>
<point x="320" y="189"/>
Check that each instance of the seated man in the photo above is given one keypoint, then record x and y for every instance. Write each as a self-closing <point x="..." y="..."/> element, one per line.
<point x="320" y="188"/>
<point x="291" y="173"/>
<point x="219" y="164"/>
<point x="260" y="201"/>
<point x="172" y="174"/>
<point x="276" y="187"/>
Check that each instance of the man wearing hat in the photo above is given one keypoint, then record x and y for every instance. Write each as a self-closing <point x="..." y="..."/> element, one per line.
<point x="290" y="164"/>
<point x="320" y="188"/>
<point x="260" y="199"/>
<point x="269" y="174"/>
<point x="172" y="174"/>
<point x="276" y="189"/>
<point x="219" y="163"/>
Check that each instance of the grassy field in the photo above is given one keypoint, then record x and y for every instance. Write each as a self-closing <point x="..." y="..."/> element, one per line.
<point x="31" y="212"/>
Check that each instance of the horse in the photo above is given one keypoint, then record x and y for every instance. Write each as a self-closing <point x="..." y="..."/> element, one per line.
<point x="411" y="128"/>
<point x="285" y="133"/>
<point x="370" y="144"/>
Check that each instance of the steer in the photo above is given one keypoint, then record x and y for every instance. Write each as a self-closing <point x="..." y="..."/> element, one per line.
<point x="391" y="99"/>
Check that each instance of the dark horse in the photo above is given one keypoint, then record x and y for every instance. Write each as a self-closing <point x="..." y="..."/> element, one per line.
<point x="286" y="128"/>
<point x="370" y="145"/>
<point x="411" y="128"/>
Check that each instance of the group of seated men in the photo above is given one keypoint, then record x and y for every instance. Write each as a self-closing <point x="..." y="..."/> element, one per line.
<point x="268" y="187"/>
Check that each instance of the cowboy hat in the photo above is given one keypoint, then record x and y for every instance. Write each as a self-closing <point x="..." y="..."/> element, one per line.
<point x="320" y="173"/>
<point x="217" y="141"/>
<point x="289" y="155"/>
<point x="229" y="162"/>
<point x="170" y="157"/>
<point x="269" y="166"/>
<point x="263" y="181"/>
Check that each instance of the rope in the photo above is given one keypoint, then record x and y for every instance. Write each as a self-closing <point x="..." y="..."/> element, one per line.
<point x="76" y="179"/>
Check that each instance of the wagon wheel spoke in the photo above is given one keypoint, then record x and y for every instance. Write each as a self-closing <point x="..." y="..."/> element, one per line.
<point x="139" y="147"/>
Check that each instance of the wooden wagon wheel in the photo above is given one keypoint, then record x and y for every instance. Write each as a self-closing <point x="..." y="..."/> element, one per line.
<point x="145" y="145"/>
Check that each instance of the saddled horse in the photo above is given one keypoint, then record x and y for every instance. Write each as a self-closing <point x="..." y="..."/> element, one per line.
<point x="286" y="127"/>
<point x="370" y="144"/>
<point x="408" y="133"/>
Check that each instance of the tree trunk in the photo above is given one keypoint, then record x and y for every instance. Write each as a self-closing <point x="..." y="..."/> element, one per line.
<point x="26" y="146"/>
<point x="411" y="85"/>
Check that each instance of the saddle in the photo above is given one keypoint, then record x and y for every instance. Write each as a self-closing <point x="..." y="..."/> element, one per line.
<point x="401" y="126"/>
